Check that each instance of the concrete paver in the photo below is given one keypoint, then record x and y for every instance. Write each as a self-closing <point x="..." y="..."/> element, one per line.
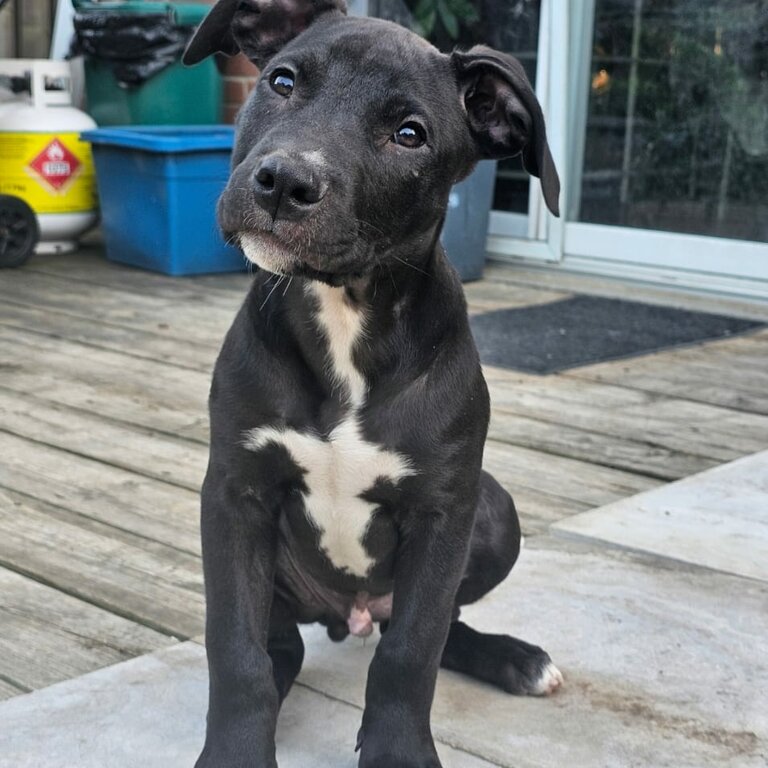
<point x="150" y="712"/>
<point x="717" y="519"/>
<point x="665" y="665"/>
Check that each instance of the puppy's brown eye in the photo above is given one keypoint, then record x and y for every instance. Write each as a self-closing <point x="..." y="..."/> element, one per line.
<point x="410" y="135"/>
<point x="282" y="82"/>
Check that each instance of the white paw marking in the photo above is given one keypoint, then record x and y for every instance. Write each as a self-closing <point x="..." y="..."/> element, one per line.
<point x="551" y="679"/>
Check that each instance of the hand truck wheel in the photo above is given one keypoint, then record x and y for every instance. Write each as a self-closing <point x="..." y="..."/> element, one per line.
<point x="19" y="231"/>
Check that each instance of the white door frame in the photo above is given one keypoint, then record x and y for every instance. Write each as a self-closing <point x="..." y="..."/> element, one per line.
<point x="539" y="235"/>
<point x="687" y="261"/>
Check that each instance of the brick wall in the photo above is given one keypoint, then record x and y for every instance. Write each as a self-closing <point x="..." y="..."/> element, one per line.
<point x="239" y="78"/>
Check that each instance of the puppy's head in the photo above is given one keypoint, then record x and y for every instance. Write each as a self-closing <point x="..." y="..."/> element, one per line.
<point x="347" y="148"/>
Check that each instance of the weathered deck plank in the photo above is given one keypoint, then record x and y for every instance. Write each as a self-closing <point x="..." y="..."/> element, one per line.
<point x="486" y="296"/>
<point x="116" y="338"/>
<point x="152" y="395"/>
<point x="133" y="448"/>
<point x="104" y="377"/>
<point x="537" y="509"/>
<point x="91" y="379"/>
<point x="669" y="295"/>
<point x="659" y="419"/>
<point x="9" y="690"/>
<point x="49" y="636"/>
<point x="179" y="318"/>
<point x="718" y="383"/>
<point x="127" y="574"/>
<point x="89" y="266"/>
<point x="619" y="452"/>
<point x="591" y="484"/>
<point x="732" y="373"/>
<point x="122" y="499"/>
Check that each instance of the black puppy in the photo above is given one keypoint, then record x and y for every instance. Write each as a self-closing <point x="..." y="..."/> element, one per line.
<point x="348" y="408"/>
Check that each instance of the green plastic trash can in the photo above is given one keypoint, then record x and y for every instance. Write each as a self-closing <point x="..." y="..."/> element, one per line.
<point x="177" y="95"/>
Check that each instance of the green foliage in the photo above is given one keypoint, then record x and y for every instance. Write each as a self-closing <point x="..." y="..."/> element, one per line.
<point x="431" y="17"/>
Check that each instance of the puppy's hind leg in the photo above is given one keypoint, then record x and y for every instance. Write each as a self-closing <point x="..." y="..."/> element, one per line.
<point x="506" y="662"/>
<point x="285" y="647"/>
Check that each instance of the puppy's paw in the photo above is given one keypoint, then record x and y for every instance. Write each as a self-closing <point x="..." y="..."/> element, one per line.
<point x="526" y="669"/>
<point x="397" y="751"/>
<point x="550" y="679"/>
<point x="229" y="760"/>
<point x="520" y="668"/>
<point x="507" y="662"/>
<point x="394" y="761"/>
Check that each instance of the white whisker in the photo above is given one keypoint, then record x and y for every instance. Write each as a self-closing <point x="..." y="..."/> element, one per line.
<point x="269" y="295"/>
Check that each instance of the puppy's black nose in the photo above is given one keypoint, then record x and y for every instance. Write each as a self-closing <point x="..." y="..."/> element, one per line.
<point x="288" y="188"/>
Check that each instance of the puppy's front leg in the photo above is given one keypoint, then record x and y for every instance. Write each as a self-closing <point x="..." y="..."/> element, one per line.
<point x="401" y="680"/>
<point x="239" y="559"/>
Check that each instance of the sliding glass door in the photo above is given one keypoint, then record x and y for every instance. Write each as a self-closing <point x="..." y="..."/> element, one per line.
<point x="677" y="121"/>
<point x="657" y="115"/>
<point x="671" y="135"/>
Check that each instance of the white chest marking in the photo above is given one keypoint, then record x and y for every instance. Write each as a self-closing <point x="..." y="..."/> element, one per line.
<point x="345" y="465"/>
<point x="338" y="470"/>
<point x="343" y="326"/>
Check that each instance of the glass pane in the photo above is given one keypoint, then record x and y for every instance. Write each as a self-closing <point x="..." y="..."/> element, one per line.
<point x="508" y="25"/>
<point x="677" y="126"/>
<point x="513" y="27"/>
<point x="7" y="27"/>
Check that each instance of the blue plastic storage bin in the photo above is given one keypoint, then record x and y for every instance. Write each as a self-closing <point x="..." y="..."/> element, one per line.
<point x="158" y="188"/>
<point x="466" y="224"/>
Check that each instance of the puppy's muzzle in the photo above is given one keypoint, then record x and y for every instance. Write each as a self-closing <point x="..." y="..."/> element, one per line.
<point x="288" y="188"/>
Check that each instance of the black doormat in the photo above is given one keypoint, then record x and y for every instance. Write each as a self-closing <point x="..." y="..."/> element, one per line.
<point x="581" y="330"/>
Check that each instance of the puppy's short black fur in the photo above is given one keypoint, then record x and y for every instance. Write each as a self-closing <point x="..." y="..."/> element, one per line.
<point x="348" y="408"/>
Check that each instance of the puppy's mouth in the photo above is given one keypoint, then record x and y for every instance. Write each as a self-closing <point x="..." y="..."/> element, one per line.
<point x="273" y="254"/>
<point x="268" y="252"/>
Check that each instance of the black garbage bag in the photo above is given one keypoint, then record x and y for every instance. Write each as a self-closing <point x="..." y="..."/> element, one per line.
<point x="135" y="46"/>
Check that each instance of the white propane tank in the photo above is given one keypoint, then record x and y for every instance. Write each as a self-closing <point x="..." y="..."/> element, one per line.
<point x="42" y="160"/>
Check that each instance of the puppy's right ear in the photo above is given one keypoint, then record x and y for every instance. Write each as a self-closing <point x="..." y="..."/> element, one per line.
<point x="258" y="28"/>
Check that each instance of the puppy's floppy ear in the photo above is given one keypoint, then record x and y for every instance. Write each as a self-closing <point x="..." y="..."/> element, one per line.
<point x="259" y="28"/>
<point x="504" y="116"/>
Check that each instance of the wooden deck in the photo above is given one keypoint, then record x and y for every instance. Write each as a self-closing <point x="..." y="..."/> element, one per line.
<point x="104" y="373"/>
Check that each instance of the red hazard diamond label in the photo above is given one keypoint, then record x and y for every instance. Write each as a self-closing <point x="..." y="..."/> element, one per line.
<point x="55" y="164"/>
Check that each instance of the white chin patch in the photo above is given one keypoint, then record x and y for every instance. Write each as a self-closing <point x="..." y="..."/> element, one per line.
<point x="267" y="253"/>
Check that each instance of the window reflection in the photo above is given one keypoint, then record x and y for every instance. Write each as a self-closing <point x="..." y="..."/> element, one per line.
<point x="677" y="129"/>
